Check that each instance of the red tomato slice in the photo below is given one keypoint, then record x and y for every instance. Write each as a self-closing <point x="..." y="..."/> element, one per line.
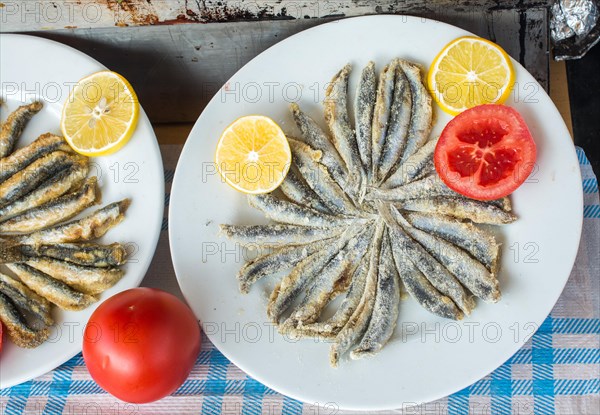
<point x="485" y="152"/>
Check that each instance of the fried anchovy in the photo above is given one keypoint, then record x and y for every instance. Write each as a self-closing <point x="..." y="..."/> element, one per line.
<point x="14" y="126"/>
<point x="331" y="327"/>
<point x="87" y="255"/>
<point x="381" y="116"/>
<point x="480" y="244"/>
<point x="336" y="272"/>
<point x="414" y="167"/>
<point x="357" y="324"/>
<point x="462" y="208"/>
<point x="23" y="157"/>
<point x="276" y="234"/>
<point x="422" y="112"/>
<point x="418" y="174"/>
<point x="385" y="310"/>
<point x="316" y="138"/>
<point x="26" y="299"/>
<point x="426" y="187"/>
<point x="281" y="258"/>
<point x="33" y="175"/>
<point x="364" y="108"/>
<point x="342" y="133"/>
<point x="283" y="211"/>
<point x="296" y="190"/>
<point x="19" y="331"/>
<point x="55" y="291"/>
<point x="88" y="280"/>
<point x="419" y="287"/>
<point x="397" y="131"/>
<point x="88" y="228"/>
<point x="470" y="272"/>
<point x="53" y="212"/>
<point x="435" y="272"/>
<point x="66" y="180"/>
<point x="302" y="274"/>
<point x="317" y="177"/>
<point x="503" y="203"/>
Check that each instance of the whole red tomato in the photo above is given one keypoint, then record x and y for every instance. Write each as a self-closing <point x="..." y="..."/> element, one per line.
<point x="140" y="345"/>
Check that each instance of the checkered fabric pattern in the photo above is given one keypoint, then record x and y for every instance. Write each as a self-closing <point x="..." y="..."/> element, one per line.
<point x="556" y="372"/>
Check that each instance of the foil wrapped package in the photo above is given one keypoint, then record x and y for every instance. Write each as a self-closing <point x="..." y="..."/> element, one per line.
<point x="574" y="27"/>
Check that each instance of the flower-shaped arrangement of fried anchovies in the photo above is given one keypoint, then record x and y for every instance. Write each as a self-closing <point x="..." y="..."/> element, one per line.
<point x="42" y="186"/>
<point x="362" y="213"/>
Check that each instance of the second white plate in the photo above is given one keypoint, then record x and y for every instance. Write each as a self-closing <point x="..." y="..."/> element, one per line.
<point x="428" y="357"/>
<point x="35" y="68"/>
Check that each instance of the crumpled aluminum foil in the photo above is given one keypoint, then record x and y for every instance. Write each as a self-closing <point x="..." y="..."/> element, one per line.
<point x="574" y="27"/>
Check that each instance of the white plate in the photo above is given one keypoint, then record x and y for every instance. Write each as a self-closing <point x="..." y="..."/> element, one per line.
<point x="31" y="68"/>
<point x="538" y="251"/>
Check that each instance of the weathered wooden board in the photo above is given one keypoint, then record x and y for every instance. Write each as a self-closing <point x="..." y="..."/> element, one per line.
<point x="26" y="15"/>
<point x="176" y="69"/>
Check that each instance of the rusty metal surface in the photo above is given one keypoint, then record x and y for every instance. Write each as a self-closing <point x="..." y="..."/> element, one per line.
<point x="27" y="15"/>
<point x="176" y="69"/>
<point x="178" y="53"/>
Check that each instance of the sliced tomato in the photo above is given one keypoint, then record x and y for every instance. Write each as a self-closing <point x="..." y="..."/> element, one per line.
<point x="485" y="152"/>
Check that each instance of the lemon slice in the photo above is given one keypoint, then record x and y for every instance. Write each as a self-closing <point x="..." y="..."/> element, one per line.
<point x="470" y="71"/>
<point x="253" y="155"/>
<point x="100" y="115"/>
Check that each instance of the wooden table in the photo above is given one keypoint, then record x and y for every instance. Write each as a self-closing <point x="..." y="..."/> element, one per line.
<point x="178" y="53"/>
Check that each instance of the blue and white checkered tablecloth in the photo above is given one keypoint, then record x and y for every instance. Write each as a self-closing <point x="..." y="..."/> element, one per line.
<point x="556" y="372"/>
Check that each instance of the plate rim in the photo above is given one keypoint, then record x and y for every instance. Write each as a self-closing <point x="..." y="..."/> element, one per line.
<point x="449" y="390"/>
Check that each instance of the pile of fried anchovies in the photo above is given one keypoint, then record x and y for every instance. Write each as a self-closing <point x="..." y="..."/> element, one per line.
<point x="42" y="186"/>
<point x="362" y="213"/>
